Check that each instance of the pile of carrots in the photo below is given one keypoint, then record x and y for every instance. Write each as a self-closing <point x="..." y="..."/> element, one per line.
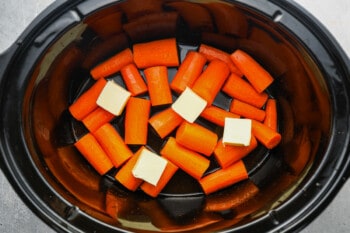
<point x="206" y="71"/>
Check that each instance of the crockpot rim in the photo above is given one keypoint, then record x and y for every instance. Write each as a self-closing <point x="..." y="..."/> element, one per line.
<point x="56" y="9"/>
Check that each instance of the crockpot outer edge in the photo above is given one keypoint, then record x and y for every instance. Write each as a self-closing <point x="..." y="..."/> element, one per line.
<point x="323" y="185"/>
<point x="60" y="6"/>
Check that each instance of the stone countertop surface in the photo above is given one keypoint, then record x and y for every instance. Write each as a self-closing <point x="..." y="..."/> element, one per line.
<point x="15" y="15"/>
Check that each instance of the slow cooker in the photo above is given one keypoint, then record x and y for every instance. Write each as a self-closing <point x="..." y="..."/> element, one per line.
<point x="46" y="69"/>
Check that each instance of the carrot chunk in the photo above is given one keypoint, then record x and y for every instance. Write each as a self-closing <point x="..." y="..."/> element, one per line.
<point x="189" y="161"/>
<point x="97" y="118"/>
<point x="224" y="177"/>
<point x="211" y="80"/>
<point x="217" y="115"/>
<point x="165" y="122"/>
<point x="168" y="173"/>
<point x="271" y="114"/>
<point x="189" y="70"/>
<point x="86" y="103"/>
<point x="113" y="144"/>
<point x="112" y="65"/>
<point x="156" y="53"/>
<point x="94" y="154"/>
<point x="264" y="134"/>
<point x="246" y="110"/>
<point x="238" y="88"/>
<point x="197" y="138"/>
<point x="252" y="70"/>
<point x="125" y="176"/>
<point x="136" y="121"/>
<point x="226" y="155"/>
<point x="158" y="85"/>
<point x="212" y="53"/>
<point x="133" y="80"/>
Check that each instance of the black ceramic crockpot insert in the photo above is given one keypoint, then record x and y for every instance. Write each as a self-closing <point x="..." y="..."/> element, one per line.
<point x="47" y="68"/>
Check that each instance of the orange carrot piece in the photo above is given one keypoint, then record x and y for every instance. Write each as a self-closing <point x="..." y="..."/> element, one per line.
<point x="86" y="103"/>
<point x="113" y="144"/>
<point x="246" y="110"/>
<point x="158" y="85"/>
<point x="112" y="65"/>
<point x="271" y="114"/>
<point x="133" y="80"/>
<point x="94" y="154"/>
<point x="224" y="177"/>
<point x="217" y="115"/>
<point x="197" y="138"/>
<point x="189" y="70"/>
<point x="211" y="80"/>
<point x="212" y="53"/>
<point x="264" y="134"/>
<point x="136" y="121"/>
<point x="125" y="176"/>
<point x="168" y="173"/>
<point x="156" y="53"/>
<point x="97" y="118"/>
<point x="226" y="155"/>
<point x="252" y="70"/>
<point x="189" y="161"/>
<point x="165" y="122"/>
<point x="238" y="88"/>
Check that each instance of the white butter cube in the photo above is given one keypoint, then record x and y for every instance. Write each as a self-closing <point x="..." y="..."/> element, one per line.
<point x="189" y="105"/>
<point x="237" y="132"/>
<point x="113" y="98"/>
<point x="149" y="167"/>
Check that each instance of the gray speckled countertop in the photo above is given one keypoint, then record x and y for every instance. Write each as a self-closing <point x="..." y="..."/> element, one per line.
<point x="17" y="14"/>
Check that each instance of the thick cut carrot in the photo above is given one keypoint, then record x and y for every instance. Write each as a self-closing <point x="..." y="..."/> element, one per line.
<point x="136" y="121"/>
<point x="158" y="85"/>
<point x="189" y="161"/>
<point x="264" y="134"/>
<point x="125" y="176"/>
<point x="226" y="155"/>
<point x="252" y="70"/>
<point x="246" y="110"/>
<point x="224" y="177"/>
<point x="156" y="53"/>
<point x="217" y="115"/>
<point x="86" y="103"/>
<point x="94" y="154"/>
<point x="211" y="80"/>
<point x="113" y="144"/>
<point x="212" y="53"/>
<point x="165" y="122"/>
<point x="167" y="174"/>
<point x="271" y="114"/>
<point x="97" y="118"/>
<point x="133" y="80"/>
<point x="188" y="72"/>
<point x="238" y="88"/>
<point x="197" y="138"/>
<point x="112" y="65"/>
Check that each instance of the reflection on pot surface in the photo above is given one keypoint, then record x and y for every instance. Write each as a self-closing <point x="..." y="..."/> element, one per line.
<point x="63" y="74"/>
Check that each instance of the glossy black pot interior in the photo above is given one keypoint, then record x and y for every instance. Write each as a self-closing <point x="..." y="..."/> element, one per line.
<point x="49" y="67"/>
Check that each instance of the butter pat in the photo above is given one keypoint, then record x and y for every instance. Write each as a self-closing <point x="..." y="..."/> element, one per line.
<point x="189" y="105"/>
<point x="237" y="132"/>
<point x="113" y="98"/>
<point x="149" y="167"/>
